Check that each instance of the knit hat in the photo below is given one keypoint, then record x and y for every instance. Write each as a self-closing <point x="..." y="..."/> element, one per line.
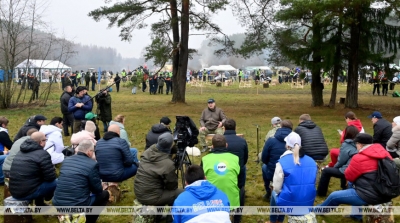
<point x="292" y="139"/>
<point x="80" y="88"/>
<point x="165" y="120"/>
<point x="275" y="120"/>
<point x="397" y="120"/>
<point x="363" y="138"/>
<point x="164" y="143"/>
<point x="90" y="126"/>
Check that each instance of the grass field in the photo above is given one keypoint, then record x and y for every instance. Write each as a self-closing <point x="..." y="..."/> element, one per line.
<point x="245" y="106"/>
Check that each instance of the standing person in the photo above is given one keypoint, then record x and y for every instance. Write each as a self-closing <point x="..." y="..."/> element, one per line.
<point x="385" y="84"/>
<point x="211" y="121"/>
<point x="168" y="83"/>
<point x="93" y="79"/>
<point x="382" y="129"/>
<point x="85" y="180"/>
<point x="393" y="145"/>
<point x="151" y="84"/>
<point x="117" y="80"/>
<point x="35" y="88"/>
<point x="87" y="79"/>
<point x="79" y="105"/>
<point x="78" y="78"/>
<point x="377" y="83"/>
<point x="161" y="81"/>
<point x="73" y="79"/>
<point x="104" y="106"/>
<point x="135" y="82"/>
<point x="144" y="79"/>
<point x="294" y="173"/>
<point x="68" y="117"/>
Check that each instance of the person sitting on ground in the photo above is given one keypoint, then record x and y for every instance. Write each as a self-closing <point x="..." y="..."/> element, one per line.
<point x="156" y="182"/>
<point x="5" y="145"/>
<point x="120" y="121"/>
<point x="13" y="152"/>
<point x="312" y="138"/>
<point x="274" y="147"/>
<point x="351" y="119"/>
<point x="276" y="124"/>
<point x="347" y="151"/>
<point x="222" y="169"/>
<point x="157" y="130"/>
<point x="88" y="133"/>
<point x="382" y="129"/>
<point x="90" y="116"/>
<point x="33" y="122"/>
<point x="211" y="121"/>
<point x="32" y="174"/>
<point x="393" y="145"/>
<point x="81" y="172"/>
<point x="362" y="172"/>
<point x="200" y="192"/>
<point x="294" y="173"/>
<point x="116" y="160"/>
<point x="54" y="145"/>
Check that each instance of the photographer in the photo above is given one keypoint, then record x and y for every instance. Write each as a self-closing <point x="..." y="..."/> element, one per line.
<point x="104" y="107"/>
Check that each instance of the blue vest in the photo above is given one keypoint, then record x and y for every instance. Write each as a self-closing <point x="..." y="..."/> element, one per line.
<point x="299" y="182"/>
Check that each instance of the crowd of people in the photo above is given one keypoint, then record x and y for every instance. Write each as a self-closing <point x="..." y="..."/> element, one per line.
<point x="291" y="159"/>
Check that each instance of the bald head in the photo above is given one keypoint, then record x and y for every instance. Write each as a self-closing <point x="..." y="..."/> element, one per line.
<point x="114" y="128"/>
<point x="39" y="137"/>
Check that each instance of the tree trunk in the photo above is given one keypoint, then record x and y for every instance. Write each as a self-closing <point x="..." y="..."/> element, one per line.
<point x="180" y="80"/>
<point x="176" y="52"/>
<point x="336" y="66"/>
<point x="352" y="82"/>
<point x="316" y="85"/>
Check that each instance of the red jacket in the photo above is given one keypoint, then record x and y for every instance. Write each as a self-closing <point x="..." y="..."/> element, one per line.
<point x="365" y="161"/>
<point x="356" y="123"/>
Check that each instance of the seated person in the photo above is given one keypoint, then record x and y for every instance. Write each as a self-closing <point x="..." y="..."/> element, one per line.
<point x="200" y="192"/>
<point x="33" y="122"/>
<point x="120" y="121"/>
<point x="273" y="149"/>
<point x="116" y="160"/>
<point x="347" y="151"/>
<point x="294" y="173"/>
<point x="32" y="174"/>
<point x="157" y="130"/>
<point x="87" y="133"/>
<point x="312" y="138"/>
<point x="225" y="174"/>
<point x="5" y="145"/>
<point x="85" y="181"/>
<point x="54" y="145"/>
<point x="362" y="172"/>
<point x="211" y="121"/>
<point x="91" y="117"/>
<point x="393" y="145"/>
<point x="276" y="124"/>
<point x="156" y="182"/>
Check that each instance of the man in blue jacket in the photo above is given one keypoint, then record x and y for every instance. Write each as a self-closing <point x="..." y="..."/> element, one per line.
<point x="79" y="183"/>
<point x="273" y="149"/>
<point x="79" y="105"/>
<point x="204" y="201"/>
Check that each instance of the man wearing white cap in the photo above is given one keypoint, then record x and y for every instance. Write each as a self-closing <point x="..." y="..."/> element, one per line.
<point x="276" y="124"/>
<point x="393" y="145"/>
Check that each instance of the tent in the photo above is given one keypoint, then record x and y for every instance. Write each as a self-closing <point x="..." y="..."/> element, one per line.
<point x="43" y="64"/>
<point x="222" y="68"/>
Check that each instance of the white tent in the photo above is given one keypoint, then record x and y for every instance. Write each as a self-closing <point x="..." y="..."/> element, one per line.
<point x="43" y="64"/>
<point x="222" y="68"/>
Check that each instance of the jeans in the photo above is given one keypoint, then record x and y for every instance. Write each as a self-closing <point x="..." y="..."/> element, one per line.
<point x="2" y="158"/>
<point x="44" y="191"/>
<point x="105" y="126"/>
<point x="348" y="196"/>
<point x="134" y="154"/>
<point x="267" y="181"/>
<point x="274" y="218"/>
<point x="326" y="175"/>
<point x="128" y="173"/>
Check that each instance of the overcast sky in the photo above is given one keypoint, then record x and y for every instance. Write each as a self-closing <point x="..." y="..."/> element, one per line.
<point x="71" y="18"/>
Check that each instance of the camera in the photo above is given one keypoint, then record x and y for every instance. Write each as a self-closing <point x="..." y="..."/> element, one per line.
<point x="185" y="132"/>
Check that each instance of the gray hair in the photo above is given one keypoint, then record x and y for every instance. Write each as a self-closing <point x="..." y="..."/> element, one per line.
<point x="85" y="146"/>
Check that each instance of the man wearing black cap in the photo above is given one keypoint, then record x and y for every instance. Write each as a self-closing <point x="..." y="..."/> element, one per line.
<point x="156" y="130"/>
<point x="382" y="128"/>
<point x="68" y="117"/>
<point x="211" y="121"/>
<point x="79" y="105"/>
<point x="34" y="122"/>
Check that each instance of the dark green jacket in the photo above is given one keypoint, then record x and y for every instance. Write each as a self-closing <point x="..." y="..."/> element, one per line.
<point x="104" y="105"/>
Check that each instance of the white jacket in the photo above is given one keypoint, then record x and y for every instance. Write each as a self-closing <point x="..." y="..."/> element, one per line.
<point x="54" y="145"/>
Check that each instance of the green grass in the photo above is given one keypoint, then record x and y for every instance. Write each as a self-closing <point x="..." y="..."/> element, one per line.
<point x="245" y="106"/>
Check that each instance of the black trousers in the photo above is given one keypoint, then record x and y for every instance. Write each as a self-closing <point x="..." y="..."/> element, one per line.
<point x="161" y="89"/>
<point x="385" y="89"/>
<point x="68" y="121"/>
<point x="144" y="86"/>
<point x="376" y="87"/>
<point x="101" y="200"/>
<point x="117" y="85"/>
<point x="326" y="175"/>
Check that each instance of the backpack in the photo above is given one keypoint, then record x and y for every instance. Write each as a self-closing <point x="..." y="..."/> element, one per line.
<point x="387" y="181"/>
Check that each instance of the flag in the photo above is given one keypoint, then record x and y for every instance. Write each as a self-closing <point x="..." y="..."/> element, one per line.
<point x="99" y="76"/>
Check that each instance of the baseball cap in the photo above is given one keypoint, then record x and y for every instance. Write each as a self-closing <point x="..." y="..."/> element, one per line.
<point x="292" y="139"/>
<point x="275" y="120"/>
<point x="375" y="114"/>
<point x="165" y="120"/>
<point x="211" y="100"/>
<point x="90" y="116"/>
<point x="40" y="117"/>
<point x="363" y="138"/>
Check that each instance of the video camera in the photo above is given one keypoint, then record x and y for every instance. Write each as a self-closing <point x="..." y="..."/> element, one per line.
<point x="185" y="132"/>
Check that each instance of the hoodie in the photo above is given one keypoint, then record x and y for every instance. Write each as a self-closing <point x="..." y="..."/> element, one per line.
<point x="357" y="124"/>
<point x="347" y="151"/>
<point x="212" y="204"/>
<point x="312" y="140"/>
<point x="54" y="145"/>
<point x="154" y="133"/>
<point x="29" y="124"/>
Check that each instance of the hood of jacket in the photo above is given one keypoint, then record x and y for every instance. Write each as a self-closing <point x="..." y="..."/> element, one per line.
<point x="281" y="133"/>
<point x="308" y="124"/>
<point x="375" y="151"/>
<point x="159" y="128"/>
<point x="47" y="129"/>
<point x="69" y="93"/>
<point x="110" y="135"/>
<point x="220" y="150"/>
<point x="394" y="129"/>
<point x="152" y="154"/>
<point x="201" y="189"/>
<point x="356" y="123"/>
<point x="350" y="142"/>
<point x="120" y="125"/>
<point x="29" y="145"/>
<point x="3" y="129"/>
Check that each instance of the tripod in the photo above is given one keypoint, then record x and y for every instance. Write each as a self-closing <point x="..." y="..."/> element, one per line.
<point x="182" y="162"/>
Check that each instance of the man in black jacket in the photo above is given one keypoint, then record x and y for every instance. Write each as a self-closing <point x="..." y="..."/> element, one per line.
<point x="32" y="174"/>
<point x="81" y="172"/>
<point x="68" y="117"/>
<point x="157" y="130"/>
<point x="5" y="142"/>
<point x="382" y="128"/>
<point x="94" y="81"/>
<point x="312" y="139"/>
<point x="33" y="122"/>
